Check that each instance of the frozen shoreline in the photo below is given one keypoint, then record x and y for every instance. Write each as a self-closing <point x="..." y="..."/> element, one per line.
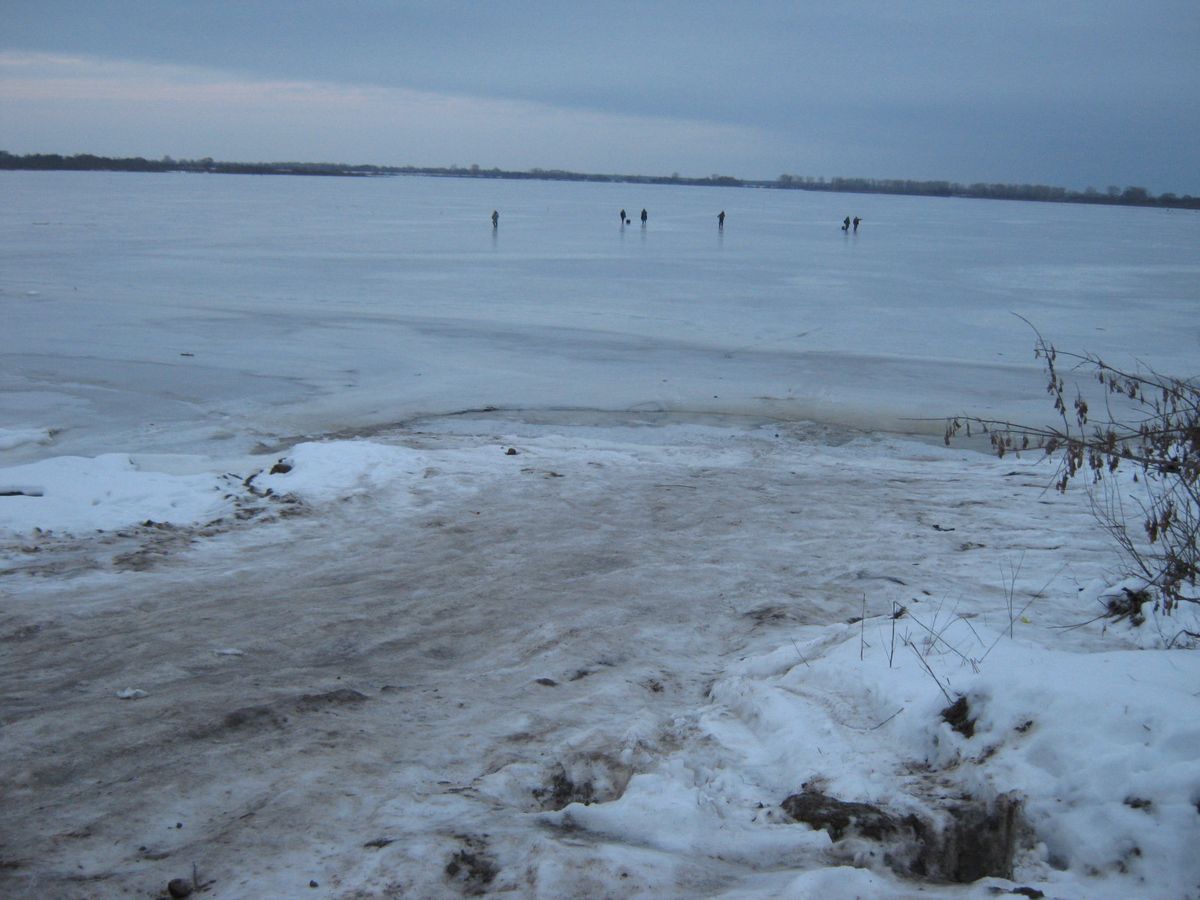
<point x="389" y="674"/>
<point x="267" y="613"/>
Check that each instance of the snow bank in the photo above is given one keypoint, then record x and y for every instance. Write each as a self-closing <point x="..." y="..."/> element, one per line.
<point x="75" y="494"/>
<point x="1103" y="748"/>
<point x="1099" y="747"/>
<point x="319" y="472"/>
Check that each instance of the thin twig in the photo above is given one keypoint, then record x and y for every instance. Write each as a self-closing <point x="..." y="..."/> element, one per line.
<point x="888" y="719"/>
<point x="931" y="675"/>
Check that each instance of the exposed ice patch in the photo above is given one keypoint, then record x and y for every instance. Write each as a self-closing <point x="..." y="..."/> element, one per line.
<point x="16" y="437"/>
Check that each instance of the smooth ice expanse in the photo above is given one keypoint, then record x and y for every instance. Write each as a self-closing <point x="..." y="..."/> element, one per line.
<point x="351" y="549"/>
<point x="178" y="312"/>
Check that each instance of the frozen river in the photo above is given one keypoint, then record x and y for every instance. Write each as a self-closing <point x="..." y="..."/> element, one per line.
<point x="211" y="313"/>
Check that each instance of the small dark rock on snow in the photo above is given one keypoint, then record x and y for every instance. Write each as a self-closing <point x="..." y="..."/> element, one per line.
<point x="838" y="817"/>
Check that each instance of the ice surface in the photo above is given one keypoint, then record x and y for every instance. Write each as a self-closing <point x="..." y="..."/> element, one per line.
<point x="181" y="312"/>
<point x="283" y="598"/>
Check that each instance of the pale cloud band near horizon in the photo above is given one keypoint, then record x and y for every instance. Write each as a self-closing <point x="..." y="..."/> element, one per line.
<point x="56" y="103"/>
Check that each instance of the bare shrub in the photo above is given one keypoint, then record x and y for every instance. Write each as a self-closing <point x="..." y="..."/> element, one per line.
<point x="1150" y="423"/>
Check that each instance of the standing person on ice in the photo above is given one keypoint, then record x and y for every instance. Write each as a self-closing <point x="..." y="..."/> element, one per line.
<point x="624" y="218"/>
<point x="721" y="220"/>
<point x="856" y="221"/>
<point x="495" y="219"/>
<point x="645" y="216"/>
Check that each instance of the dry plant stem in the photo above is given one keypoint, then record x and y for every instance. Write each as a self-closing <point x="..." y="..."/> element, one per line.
<point x="888" y="719"/>
<point x="798" y="653"/>
<point x="862" y="631"/>
<point x="1157" y="434"/>
<point x="936" y="636"/>
<point x="1010" y="588"/>
<point x="896" y="610"/>
<point x="1033" y="598"/>
<point x="936" y="680"/>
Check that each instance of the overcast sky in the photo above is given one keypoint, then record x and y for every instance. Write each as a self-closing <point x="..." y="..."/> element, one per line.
<point x="1077" y="94"/>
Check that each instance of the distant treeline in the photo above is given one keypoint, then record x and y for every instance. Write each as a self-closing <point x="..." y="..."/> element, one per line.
<point x="1130" y="196"/>
<point x="1113" y="195"/>
<point x="86" y="162"/>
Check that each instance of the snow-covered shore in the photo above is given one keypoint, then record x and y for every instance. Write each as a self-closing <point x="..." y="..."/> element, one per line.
<point x="421" y="665"/>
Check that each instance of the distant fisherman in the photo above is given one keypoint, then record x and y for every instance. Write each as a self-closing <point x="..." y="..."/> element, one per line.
<point x="495" y="219"/>
<point x="624" y="218"/>
<point x="721" y="220"/>
<point x="846" y="224"/>
<point x="645" y="216"/>
<point x="856" y="221"/>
